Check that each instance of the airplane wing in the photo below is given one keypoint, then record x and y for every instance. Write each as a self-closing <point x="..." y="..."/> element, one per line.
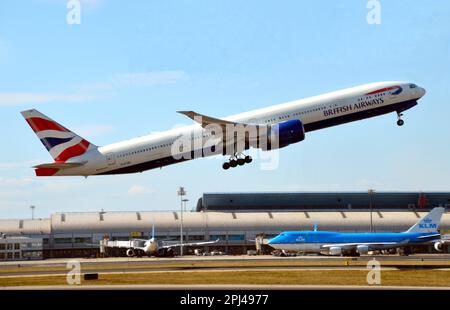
<point x="374" y="245"/>
<point x="122" y="244"/>
<point x="205" y="120"/>
<point x="188" y="244"/>
<point x="142" y="240"/>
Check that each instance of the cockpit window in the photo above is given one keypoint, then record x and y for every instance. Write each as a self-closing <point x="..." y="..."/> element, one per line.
<point x="412" y="86"/>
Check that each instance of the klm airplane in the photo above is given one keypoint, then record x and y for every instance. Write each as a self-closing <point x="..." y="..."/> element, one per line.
<point x="333" y="243"/>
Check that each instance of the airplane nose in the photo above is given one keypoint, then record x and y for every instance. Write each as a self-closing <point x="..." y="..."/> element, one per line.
<point x="422" y="91"/>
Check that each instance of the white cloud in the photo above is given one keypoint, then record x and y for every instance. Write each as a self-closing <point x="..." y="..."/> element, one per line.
<point x="90" y="91"/>
<point x="11" y="99"/>
<point x="138" y="190"/>
<point x="93" y="130"/>
<point x="19" y="165"/>
<point x="16" y="182"/>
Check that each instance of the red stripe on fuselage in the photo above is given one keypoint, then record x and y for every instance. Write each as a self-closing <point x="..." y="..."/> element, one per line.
<point x="76" y="150"/>
<point x="39" y="124"/>
<point x="45" y="172"/>
<point x="382" y="90"/>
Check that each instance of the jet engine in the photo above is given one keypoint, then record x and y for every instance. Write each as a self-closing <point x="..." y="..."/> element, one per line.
<point x="283" y="134"/>
<point x="362" y="249"/>
<point x="130" y="253"/>
<point x="439" y="246"/>
<point x="335" y="250"/>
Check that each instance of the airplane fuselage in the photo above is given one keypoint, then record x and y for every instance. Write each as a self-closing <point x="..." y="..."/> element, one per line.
<point x="315" y="241"/>
<point x="155" y="151"/>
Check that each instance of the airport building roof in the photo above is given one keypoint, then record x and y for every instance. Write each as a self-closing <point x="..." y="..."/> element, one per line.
<point x="321" y="201"/>
<point x="212" y="222"/>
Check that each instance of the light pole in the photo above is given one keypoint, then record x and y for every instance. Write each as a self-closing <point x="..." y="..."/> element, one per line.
<point x="181" y="192"/>
<point x="32" y="211"/>
<point x="185" y="204"/>
<point x="371" y="193"/>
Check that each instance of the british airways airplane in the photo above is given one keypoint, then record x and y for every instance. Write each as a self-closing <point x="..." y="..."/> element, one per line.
<point x="333" y="243"/>
<point x="266" y="129"/>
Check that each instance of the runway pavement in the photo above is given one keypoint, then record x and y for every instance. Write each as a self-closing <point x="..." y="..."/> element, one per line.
<point x="221" y="263"/>
<point x="225" y="258"/>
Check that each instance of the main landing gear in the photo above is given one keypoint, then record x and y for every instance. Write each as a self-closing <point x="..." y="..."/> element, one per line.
<point x="400" y="122"/>
<point x="236" y="160"/>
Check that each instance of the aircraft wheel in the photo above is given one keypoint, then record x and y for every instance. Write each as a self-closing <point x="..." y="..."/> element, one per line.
<point x="248" y="159"/>
<point x="400" y="122"/>
<point x="226" y="166"/>
<point x="233" y="163"/>
<point x="241" y="161"/>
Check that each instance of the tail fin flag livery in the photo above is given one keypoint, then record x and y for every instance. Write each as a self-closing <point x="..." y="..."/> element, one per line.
<point x="60" y="142"/>
<point x="430" y="223"/>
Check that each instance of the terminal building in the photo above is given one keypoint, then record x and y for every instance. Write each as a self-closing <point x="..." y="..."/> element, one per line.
<point x="236" y="219"/>
<point x="20" y="248"/>
<point x="323" y="201"/>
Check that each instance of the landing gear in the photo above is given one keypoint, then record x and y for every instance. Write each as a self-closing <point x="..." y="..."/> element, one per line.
<point x="248" y="159"/>
<point x="237" y="160"/>
<point x="400" y="122"/>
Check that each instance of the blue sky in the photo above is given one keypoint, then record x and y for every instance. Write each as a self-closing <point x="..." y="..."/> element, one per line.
<point x="126" y="69"/>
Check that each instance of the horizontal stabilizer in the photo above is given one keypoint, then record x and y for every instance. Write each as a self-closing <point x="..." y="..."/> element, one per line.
<point x="59" y="165"/>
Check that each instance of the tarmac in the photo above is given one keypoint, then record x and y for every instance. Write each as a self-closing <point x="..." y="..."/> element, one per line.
<point x="121" y="265"/>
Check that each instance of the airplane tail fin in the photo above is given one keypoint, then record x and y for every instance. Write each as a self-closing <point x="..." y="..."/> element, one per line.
<point x="429" y="223"/>
<point x="60" y="142"/>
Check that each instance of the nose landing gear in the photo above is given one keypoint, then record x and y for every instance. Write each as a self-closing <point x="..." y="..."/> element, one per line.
<point x="400" y="122"/>
<point x="236" y="160"/>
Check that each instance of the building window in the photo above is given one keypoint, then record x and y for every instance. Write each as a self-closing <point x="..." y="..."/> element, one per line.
<point x="32" y="254"/>
<point x="83" y="240"/>
<point x="2" y="255"/>
<point x="16" y="246"/>
<point x="9" y="255"/>
<point x="2" y="246"/>
<point x="63" y="240"/>
<point x="236" y="237"/>
<point x="196" y="237"/>
<point x="9" y="246"/>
